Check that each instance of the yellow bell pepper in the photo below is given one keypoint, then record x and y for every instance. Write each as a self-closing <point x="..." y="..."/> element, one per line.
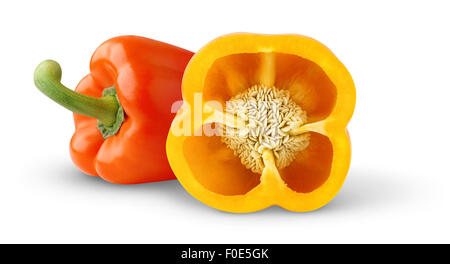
<point x="263" y="123"/>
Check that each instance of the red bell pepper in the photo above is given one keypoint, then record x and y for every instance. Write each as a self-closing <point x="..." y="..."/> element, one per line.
<point x="122" y="109"/>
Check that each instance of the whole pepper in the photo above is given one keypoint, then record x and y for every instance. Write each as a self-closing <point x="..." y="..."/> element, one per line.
<point x="122" y="109"/>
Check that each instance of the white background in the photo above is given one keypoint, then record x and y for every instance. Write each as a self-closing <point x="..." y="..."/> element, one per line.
<point x="398" y="187"/>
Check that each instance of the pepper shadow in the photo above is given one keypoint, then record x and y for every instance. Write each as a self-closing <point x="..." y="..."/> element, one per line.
<point x="68" y="176"/>
<point x="364" y="189"/>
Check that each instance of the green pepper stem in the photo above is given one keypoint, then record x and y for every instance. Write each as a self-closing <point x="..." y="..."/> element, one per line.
<point x="47" y="78"/>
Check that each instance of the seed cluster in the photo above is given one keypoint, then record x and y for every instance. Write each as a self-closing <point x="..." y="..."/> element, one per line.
<point x="269" y="114"/>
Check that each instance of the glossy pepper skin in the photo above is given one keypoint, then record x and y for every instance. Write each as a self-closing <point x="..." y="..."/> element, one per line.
<point x="147" y="77"/>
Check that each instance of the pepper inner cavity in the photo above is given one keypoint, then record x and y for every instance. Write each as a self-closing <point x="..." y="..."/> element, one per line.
<point x="269" y="115"/>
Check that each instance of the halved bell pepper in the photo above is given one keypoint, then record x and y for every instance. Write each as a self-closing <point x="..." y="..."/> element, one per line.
<point x="122" y="109"/>
<point x="272" y="124"/>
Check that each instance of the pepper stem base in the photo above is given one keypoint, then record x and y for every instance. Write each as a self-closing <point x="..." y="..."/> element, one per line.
<point x="111" y="130"/>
